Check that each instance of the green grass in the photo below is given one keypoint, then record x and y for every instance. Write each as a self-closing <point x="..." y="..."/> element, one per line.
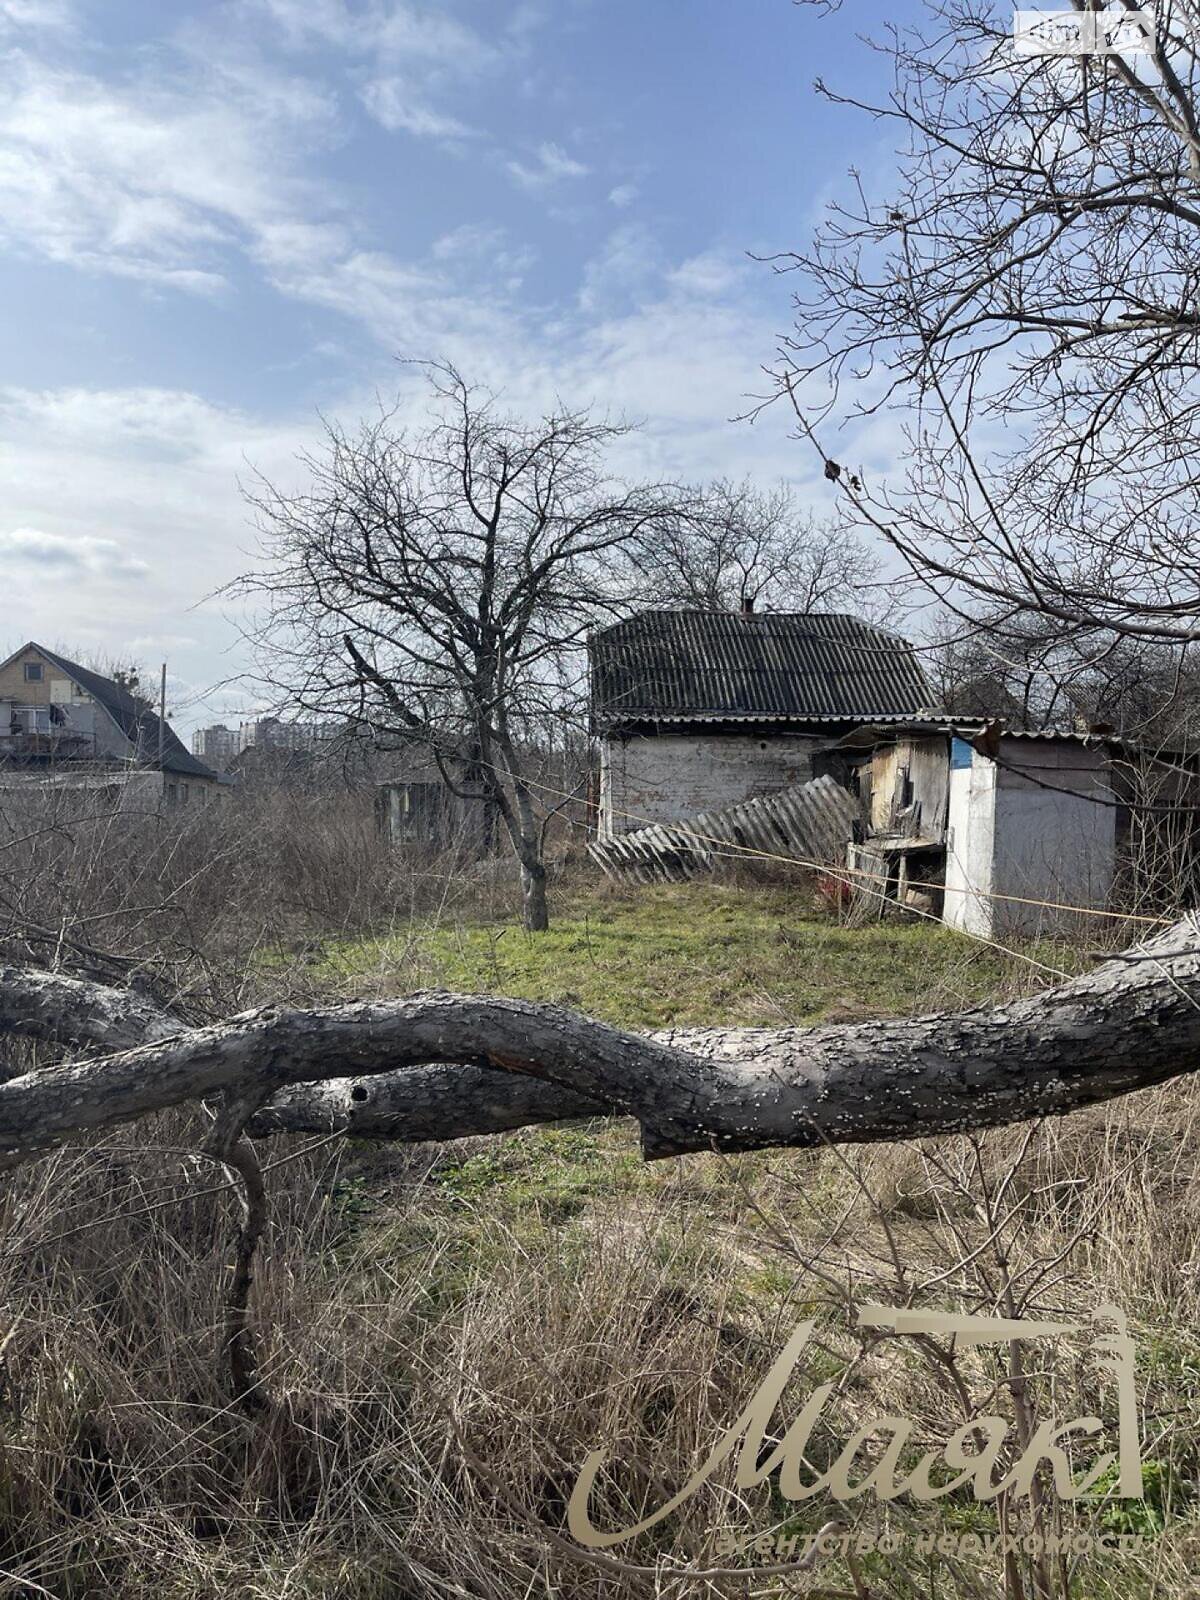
<point x="680" y="954"/>
<point x="685" y="954"/>
<point x="554" y="1172"/>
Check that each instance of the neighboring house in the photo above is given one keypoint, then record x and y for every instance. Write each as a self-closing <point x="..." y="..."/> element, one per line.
<point x="64" y="724"/>
<point x="416" y="806"/>
<point x="699" y="710"/>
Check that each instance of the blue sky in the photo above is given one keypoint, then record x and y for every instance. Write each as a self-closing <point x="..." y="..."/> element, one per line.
<point x="216" y="219"/>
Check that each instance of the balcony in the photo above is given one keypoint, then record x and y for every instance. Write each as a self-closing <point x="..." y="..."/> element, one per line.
<point x="35" y="734"/>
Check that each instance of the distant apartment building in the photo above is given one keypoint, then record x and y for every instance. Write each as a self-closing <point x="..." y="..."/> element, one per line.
<point x="216" y="745"/>
<point x="270" y="733"/>
<point x="220" y="745"/>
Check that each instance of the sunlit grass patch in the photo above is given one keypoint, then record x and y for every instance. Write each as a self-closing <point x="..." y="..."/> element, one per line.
<point x="688" y="955"/>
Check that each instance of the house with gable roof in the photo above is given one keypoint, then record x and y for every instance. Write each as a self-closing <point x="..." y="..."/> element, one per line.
<point x="65" y="725"/>
<point x="698" y="710"/>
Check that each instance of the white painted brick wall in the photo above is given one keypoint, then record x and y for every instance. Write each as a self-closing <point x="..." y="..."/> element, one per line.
<point x="670" y="777"/>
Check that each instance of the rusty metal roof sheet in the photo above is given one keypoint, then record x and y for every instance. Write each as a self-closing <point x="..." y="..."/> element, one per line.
<point x="711" y="666"/>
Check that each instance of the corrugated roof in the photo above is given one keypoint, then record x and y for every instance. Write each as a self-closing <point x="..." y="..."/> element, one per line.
<point x="882" y="730"/>
<point x="893" y="723"/>
<point x="811" y="822"/>
<point x="136" y="720"/>
<point x="727" y="666"/>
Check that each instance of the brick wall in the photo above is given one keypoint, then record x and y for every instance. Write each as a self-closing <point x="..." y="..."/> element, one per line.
<point x="670" y="777"/>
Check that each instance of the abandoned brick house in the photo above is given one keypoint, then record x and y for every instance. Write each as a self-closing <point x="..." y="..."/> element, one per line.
<point x="64" y="725"/>
<point x="417" y="805"/>
<point x="697" y="710"/>
<point x="815" y="736"/>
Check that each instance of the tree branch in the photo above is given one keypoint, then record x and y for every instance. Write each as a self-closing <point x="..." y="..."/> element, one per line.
<point x="51" y="1005"/>
<point x="443" y="1066"/>
<point x="227" y="1144"/>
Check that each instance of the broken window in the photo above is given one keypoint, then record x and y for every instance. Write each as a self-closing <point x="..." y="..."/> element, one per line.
<point x="33" y="672"/>
<point x="420" y="801"/>
<point x="415" y="812"/>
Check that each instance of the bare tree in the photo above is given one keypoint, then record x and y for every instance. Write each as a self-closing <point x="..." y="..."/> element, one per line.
<point x="1023" y="297"/>
<point x="434" y="588"/>
<point x="734" y="547"/>
<point x="986" y="673"/>
<point x="1028" y="670"/>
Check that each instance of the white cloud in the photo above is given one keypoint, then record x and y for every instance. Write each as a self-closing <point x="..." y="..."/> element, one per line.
<point x="394" y="106"/>
<point x="160" y="644"/>
<point x="487" y="252"/>
<point x="387" y="29"/>
<point x="168" y="184"/>
<point x="625" y="268"/>
<point x="169" y="181"/>
<point x="121" y="505"/>
<point x="55" y="16"/>
<point x="147" y="181"/>
<point x="168" y="177"/>
<point x="713" y="272"/>
<point x="153" y="473"/>
<point x="416" y="309"/>
<point x="60" y="555"/>
<point x="123" y="513"/>
<point x="552" y="165"/>
<point x="405" y="33"/>
<point x="469" y="239"/>
<point x="400" y="43"/>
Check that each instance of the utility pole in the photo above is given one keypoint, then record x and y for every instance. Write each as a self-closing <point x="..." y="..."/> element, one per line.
<point x="162" y="720"/>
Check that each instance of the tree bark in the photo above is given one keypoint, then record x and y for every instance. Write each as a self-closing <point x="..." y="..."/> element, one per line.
<point x="433" y="1066"/>
<point x="50" y="1005"/>
<point x="526" y="838"/>
<point x="533" y="889"/>
<point x="424" y="1104"/>
<point x="227" y="1143"/>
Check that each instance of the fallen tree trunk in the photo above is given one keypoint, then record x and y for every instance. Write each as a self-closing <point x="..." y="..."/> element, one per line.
<point x="444" y="1066"/>
<point x="425" y="1103"/>
<point x="51" y="1005"/>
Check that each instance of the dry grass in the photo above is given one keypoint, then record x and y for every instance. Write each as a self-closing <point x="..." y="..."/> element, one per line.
<point x="447" y="1332"/>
